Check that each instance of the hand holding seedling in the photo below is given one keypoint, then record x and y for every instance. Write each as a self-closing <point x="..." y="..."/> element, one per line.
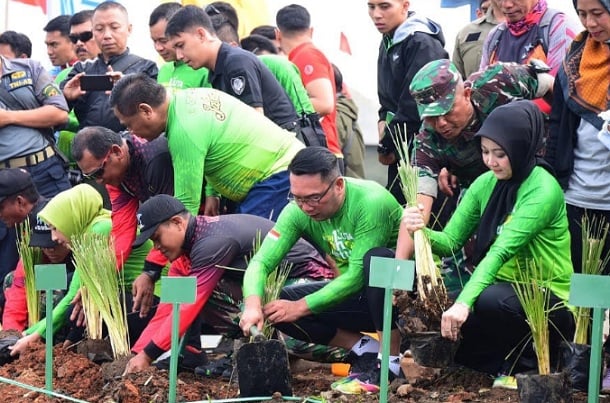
<point x="413" y="219"/>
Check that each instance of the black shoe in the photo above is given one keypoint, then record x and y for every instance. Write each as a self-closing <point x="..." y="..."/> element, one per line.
<point x="361" y="364"/>
<point x="188" y="361"/>
<point x="215" y="369"/>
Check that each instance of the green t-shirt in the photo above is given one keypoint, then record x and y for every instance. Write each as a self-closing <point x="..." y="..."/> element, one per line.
<point x="86" y="216"/>
<point x="178" y="75"/>
<point x="369" y="217"/>
<point x="214" y="135"/>
<point x="289" y="78"/>
<point x="536" y="229"/>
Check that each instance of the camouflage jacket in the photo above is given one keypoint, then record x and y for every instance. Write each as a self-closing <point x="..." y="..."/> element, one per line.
<point x="497" y="85"/>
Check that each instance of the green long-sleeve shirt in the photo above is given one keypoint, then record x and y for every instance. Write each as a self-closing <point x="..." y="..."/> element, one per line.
<point x="536" y="229"/>
<point x="368" y="218"/>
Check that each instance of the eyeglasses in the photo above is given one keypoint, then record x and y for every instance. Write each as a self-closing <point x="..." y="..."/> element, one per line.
<point x="99" y="171"/>
<point x="313" y="200"/>
<point x="83" y="37"/>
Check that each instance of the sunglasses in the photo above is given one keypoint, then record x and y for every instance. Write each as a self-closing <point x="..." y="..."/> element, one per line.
<point x="98" y="172"/>
<point x="83" y="37"/>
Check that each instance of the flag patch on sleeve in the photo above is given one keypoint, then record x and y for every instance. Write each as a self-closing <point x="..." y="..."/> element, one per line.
<point x="274" y="234"/>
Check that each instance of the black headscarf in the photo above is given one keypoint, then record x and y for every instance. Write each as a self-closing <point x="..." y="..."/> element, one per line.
<point x="517" y="127"/>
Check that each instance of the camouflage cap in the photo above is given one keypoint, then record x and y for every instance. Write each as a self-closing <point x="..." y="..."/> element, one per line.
<point x="433" y="87"/>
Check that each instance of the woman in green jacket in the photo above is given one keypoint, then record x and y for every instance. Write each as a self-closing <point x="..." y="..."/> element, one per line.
<point x="518" y="213"/>
<point x="71" y="213"/>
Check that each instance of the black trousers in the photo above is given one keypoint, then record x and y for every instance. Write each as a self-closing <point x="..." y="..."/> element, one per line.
<point x="362" y="312"/>
<point x="575" y="215"/>
<point x="495" y="335"/>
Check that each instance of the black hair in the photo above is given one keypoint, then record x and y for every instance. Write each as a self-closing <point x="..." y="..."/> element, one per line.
<point x="60" y="23"/>
<point x="257" y="43"/>
<point x="134" y="89"/>
<point x="163" y="11"/>
<point x="293" y="18"/>
<point x="18" y="42"/>
<point x="109" y="5"/>
<point x="481" y="3"/>
<point x="186" y="18"/>
<point x="30" y="194"/>
<point x="97" y="139"/>
<point x="315" y="160"/>
<point x="338" y="78"/>
<point x="268" y="31"/>
<point x="225" y="9"/>
<point x="81" y="17"/>
<point x="225" y="31"/>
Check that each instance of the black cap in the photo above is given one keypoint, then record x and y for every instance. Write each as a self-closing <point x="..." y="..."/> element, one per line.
<point x="153" y="213"/>
<point x="13" y="181"/>
<point x="41" y="233"/>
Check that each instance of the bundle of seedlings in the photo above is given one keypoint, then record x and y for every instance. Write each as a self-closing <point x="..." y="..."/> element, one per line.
<point x="101" y="292"/>
<point x="431" y="290"/>
<point x="30" y="256"/>
<point x="576" y="355"/>
<point x="534" y="293"/>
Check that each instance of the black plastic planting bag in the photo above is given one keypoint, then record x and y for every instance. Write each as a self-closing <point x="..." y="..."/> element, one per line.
<point x="5" y="352"/>
<point x="575" y="360"/>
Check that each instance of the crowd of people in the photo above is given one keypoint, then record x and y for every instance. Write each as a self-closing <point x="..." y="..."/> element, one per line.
<point x="184" y="166"/>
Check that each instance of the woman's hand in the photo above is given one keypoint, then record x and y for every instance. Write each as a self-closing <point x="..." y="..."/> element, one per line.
<point x="23" y="343"/>
<point x="452" y="320"/>
<point x="413" y="219"/>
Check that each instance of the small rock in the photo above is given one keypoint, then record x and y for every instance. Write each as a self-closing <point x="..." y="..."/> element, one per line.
<point x="404" y="390"/>
<point x="415" y="372"/>
<point x="462" y="397"/>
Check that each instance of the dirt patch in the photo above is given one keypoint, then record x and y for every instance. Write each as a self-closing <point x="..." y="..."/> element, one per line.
<point x="77" y="376"/>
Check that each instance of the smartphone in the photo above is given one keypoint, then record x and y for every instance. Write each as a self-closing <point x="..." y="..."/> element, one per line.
<point x="96" y="82"/>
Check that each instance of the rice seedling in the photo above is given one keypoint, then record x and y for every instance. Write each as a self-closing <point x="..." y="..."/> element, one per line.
<point x="430" y="286"/>
<point x="594" y="233"/>
<point x="101" y="292"/>
<point x="30" y="256"/>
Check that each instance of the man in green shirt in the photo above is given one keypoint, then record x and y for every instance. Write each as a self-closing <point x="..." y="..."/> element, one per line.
<point x="349" y="220"/>
<point x="211" y="135"/>
<point x="174" y="73"/>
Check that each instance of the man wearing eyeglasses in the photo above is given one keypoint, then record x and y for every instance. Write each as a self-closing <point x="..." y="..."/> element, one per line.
<point x="81" y="35"/>
<point x="348" y="219"/>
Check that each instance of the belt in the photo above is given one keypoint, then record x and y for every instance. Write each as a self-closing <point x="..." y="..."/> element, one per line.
<point x="30" y="159"/>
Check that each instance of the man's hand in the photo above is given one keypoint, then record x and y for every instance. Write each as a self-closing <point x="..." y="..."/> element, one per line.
<point x="447" y="182"/>
<point x="138" y="363"/>
<point x="252" y="315"/>
<point x="72" y="89"/>
<point x="78" y="313"/>
<point x="23" y="344"/>
<point x="453" y="319"/>
<point x="212" y="206"/>
<point x="386" y="159"/>
<point x="285" y="311"/>
<point x="143" y="292"/>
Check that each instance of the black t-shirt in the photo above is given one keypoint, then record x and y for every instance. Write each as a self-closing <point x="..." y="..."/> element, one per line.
<point x="243" y="75"/>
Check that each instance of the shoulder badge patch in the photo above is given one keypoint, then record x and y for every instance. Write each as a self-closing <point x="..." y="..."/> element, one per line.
<point x="51" y="90"/>
<point x="308" y="69"/>
<point x="238" y="84"/>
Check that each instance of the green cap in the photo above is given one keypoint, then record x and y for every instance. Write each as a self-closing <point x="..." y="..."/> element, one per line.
<point x="433" y="87"/>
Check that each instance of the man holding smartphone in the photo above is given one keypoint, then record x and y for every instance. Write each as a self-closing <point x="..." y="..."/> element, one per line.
<point x="111" y="29"/>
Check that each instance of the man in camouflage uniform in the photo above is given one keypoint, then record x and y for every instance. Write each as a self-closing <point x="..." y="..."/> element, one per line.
<point x="453" y="110"/>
